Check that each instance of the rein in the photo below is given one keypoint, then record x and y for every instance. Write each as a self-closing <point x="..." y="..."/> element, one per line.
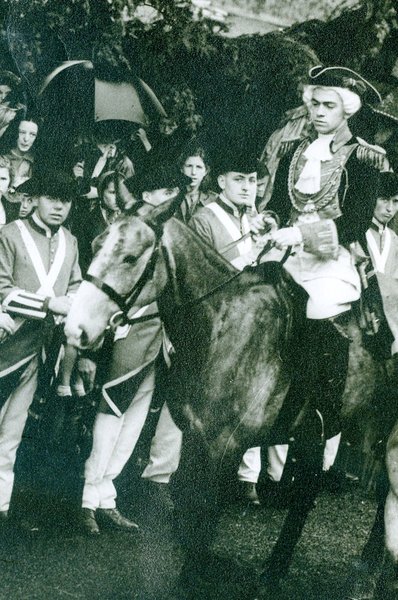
<point x="126" y="301"/>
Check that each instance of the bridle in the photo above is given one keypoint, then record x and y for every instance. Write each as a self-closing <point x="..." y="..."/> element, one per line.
<point x="126" y="301"/>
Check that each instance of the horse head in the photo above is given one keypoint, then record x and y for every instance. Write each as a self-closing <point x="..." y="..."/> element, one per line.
<point x="123" y="255"/>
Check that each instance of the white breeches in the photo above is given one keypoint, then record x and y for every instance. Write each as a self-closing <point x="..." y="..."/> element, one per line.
<point x="13" y="417"/>
<point x="114" y="440"/>
<point x="332" y="285"/>
<point x="250" y="466"/>
<point x="165" y="450"/>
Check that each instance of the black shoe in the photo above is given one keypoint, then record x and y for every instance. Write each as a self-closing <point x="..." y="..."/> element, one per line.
<point x="87" y="522"/>
<point x="248" y="493"/>
<point x="110" y="518"/>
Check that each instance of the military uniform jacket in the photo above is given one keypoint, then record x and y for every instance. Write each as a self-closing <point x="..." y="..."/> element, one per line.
<point x="357" y="191"/>
<point x="383" y="250"/>
<point x="22" y="292"/>
<point x="221" y="226"/>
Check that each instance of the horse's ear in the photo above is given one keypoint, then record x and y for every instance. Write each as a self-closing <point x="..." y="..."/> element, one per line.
<point x="159" y="215"/>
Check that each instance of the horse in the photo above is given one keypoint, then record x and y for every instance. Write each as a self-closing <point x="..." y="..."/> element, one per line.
<point x="230" y="374"/>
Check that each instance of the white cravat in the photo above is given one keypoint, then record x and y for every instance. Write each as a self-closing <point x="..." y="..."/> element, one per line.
<point x="318" y="151"/>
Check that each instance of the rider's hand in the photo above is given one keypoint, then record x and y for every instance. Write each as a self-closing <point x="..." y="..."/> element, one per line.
<point x="60" y="305"/>
<point x="287" y="236"/>
<point x="87" y="370"/>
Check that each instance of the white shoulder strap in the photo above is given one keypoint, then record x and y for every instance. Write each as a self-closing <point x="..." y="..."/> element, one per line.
<point x="47" y="280"/>
<point x="233" y="230"/>
<point x="379" y="258"/>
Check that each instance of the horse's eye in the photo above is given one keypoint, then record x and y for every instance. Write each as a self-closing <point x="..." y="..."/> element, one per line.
<point x="130" y="260"/>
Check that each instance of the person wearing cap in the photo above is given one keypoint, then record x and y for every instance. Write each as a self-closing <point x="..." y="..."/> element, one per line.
<point x="38" y="270"/>
<point x="230" y="224"/>
<point x="128" y="383"/>
<point x="382" y="246"/>
<point x="324" y="194"/>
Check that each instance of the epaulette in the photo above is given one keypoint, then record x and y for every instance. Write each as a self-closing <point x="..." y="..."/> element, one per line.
<point x="286" y="146"/>
<point x="373" y="155"/>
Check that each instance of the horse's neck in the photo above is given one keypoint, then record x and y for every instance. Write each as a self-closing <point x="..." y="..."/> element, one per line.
<point x="198" y="267"/>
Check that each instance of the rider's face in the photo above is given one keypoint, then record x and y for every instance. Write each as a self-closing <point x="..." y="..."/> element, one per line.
<point x="326" y="110"/>
<point x="386" y="209"/>
<point x="239" y="188"/>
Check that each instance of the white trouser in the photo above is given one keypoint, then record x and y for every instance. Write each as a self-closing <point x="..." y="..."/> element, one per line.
<point x="114" y="440"/>
<point x="277" y="456"/>
<point x="13" y="417"/>
<point x="165" y="451"/>
<point x="250" y="466"/>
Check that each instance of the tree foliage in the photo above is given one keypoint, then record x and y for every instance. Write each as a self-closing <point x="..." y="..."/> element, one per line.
<point x="206" y="82"/>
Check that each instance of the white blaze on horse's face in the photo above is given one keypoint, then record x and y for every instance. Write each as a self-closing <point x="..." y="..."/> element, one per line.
<point x="119" y="263"/>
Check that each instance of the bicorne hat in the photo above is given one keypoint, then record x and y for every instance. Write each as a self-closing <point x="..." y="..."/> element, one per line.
<point x="387" y="185"/>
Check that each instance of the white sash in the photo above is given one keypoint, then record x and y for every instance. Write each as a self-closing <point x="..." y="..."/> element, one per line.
<point x="245" y="245"/>
<point x="379" y="258"/>
<point x="47" y="280"/>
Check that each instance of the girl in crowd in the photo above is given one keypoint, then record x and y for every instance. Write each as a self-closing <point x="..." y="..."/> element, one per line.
<point x="21" y="150"/>
<point x="193" y="163"/>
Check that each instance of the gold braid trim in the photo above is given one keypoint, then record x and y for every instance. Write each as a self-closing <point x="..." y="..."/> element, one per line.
<point x="374" y="156"/>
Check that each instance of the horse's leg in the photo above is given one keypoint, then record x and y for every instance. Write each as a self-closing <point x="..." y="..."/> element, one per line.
<point x="308" y="482"/>
<point x="197" y="508"/>
<point x="362" y="582"/>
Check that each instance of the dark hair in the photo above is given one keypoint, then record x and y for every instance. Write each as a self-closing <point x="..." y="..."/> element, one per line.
<point x="104" y="181"/>
<point x="194" y="148"/>
<point x="387" y="185"/>
<point x="10" y="137"/>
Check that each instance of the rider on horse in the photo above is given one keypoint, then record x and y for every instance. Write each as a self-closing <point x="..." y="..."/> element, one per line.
<point x="324" y="195"/>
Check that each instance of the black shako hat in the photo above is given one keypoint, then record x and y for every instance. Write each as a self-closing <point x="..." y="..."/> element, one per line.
<point x="345" y="78"/>
<point x="52" y="183"/>
<point x="387" y="185"/>
<point x="157" y="171"/>
<point x="234" y="158"/>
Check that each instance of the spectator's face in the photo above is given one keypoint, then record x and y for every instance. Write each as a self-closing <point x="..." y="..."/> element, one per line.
<point x="386" y="209"/>
<point x="157" y="197"/>
<point x="239" y="188"/>
<point x="4" y="179"/>
<point x="52" y="211"/>
<point x="27" y="206"/>
<point x="109" y="197"/>
<point x="195" y="169"/>
<point x="326" y="110"/>
<point x="27" y="133"/>
<point x="4" y="91"/>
